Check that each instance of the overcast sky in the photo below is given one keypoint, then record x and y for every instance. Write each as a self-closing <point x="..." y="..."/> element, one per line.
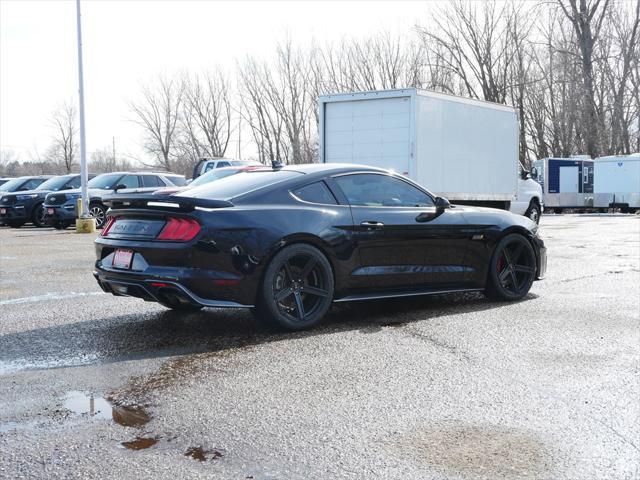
<point x="128" y="42"/>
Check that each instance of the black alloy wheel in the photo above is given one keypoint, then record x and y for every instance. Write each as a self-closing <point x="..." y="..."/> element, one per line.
<point x="297" y="288"/>
<point x="98" y="212"/>
<point x="39" y="216"/>
<point x="512" y="269"/>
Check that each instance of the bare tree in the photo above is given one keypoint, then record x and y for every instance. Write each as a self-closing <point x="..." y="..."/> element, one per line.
<point x="104" y="161"/>
<point x="64" y="146"/>
<point x="587" y="19"/>
<point x="158" y="113"/>
<point x="206" y="114"/>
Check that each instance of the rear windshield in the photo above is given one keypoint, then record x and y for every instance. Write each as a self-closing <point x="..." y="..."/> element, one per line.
<point x="239" y="184"/>
<point x="212" y="175"/>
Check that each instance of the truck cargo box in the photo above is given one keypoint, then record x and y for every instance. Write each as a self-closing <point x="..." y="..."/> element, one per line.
<point x="458" y="148"/>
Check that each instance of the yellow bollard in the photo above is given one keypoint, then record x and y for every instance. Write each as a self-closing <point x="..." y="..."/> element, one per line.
<point x="84" y="225"/>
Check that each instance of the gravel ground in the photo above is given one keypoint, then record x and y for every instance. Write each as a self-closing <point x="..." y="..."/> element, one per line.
<point x="455" y="387"/>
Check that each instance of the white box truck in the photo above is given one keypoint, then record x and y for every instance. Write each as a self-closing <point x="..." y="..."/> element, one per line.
<point x="616" y="182"/>
<point x="462" y="149"/>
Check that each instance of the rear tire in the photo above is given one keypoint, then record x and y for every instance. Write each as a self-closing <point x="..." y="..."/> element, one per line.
<point x="533" y="212"/>
<point x="296" y="290"/>
<point x="38" y="217"/>
<point x="512" y="269"/>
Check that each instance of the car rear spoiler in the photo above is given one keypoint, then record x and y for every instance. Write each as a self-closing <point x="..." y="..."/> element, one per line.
<point x="162" y="202"/>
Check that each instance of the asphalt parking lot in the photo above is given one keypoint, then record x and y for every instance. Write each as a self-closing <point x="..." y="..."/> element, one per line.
<point x="456" y="387"/>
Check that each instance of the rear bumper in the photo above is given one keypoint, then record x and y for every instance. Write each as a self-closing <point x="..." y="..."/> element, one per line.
<point x="156" y="290"/>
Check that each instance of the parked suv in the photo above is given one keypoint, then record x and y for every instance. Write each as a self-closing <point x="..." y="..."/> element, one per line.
<point x="21" y="186"/>
<point x="60" y="208"/>
<point x="16" y="209"/>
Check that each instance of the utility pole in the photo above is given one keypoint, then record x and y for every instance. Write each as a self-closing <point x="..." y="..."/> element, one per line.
<point x="84" y="222"/>
<point x="113" y="149"/>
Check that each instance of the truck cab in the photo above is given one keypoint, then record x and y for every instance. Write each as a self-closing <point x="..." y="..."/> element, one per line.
<point x="528" y="201"/>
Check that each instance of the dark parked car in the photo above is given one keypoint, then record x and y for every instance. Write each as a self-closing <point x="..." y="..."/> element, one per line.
<point x="19" y="208"/>
<point x="288" y="242"/>
<point x="20" y="185"/>
<point x="60" y="208"/>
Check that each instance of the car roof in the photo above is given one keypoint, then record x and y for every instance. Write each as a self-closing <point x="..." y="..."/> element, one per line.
<point x="143" y="173"/>
<point x="332" y="168"/>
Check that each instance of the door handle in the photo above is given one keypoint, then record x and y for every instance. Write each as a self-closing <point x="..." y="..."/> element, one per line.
<point x="372" y="224"/>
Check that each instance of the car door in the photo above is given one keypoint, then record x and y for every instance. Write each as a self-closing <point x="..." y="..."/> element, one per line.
<point x="402" y="240"/>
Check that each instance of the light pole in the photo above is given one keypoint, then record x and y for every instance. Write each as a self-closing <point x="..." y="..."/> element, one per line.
<point x="84" y="223"/>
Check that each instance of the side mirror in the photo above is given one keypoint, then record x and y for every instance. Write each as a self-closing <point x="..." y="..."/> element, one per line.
<point x="441" y="204"/>
<point x="119" y="186"/>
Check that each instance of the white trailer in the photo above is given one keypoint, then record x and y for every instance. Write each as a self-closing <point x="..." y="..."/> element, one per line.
<point x="462" y="149"/>
<point x="617" y="182"/>
<point x="566" y="182"/>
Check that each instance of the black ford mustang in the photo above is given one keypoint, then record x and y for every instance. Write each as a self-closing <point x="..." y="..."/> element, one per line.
<point x="290" y="241"/>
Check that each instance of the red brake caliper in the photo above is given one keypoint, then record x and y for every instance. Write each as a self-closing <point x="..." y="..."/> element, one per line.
<point x="500" y="263"/>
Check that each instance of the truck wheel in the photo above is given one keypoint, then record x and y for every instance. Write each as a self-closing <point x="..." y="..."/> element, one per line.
<point x="97" y="211"/>
<point x="39" y="216"/>
<point x="533" y="212"/>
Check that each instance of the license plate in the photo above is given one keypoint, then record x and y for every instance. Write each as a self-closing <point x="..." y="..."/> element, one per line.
<point x="122" y="259"/>
<point x="3" y="211"/>
<point x="49" y="211"/>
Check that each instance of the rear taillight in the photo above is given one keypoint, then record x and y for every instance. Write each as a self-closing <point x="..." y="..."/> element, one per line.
<point x="107" y="226"/>
<point x="179" y="230"/>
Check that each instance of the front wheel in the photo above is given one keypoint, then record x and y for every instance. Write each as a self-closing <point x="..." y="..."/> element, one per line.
<point x="99" y="212"/>
<point x="512" y="269"/>
<point x="297" y="288"/>
<point x="533" y="212"/>
<point x="61" y="225"/>
<point x="39" y="216"/>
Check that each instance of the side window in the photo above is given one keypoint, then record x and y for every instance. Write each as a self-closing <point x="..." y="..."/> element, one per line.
<point x="151" y="181"/>
<point x="73" y="183"/>
<point x="208" y="167"/>
<point x="130" y="181"/>
<point x="31" y="184"/>
<point x="366" y="189"/>
<point x="317" y="192"/>
<point x="223" y="164"/>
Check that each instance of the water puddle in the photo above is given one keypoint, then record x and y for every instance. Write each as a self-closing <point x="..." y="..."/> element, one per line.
<point x="140" y="443"/>
<point x="98" y="407"/>
<point x="202" y="455"/>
